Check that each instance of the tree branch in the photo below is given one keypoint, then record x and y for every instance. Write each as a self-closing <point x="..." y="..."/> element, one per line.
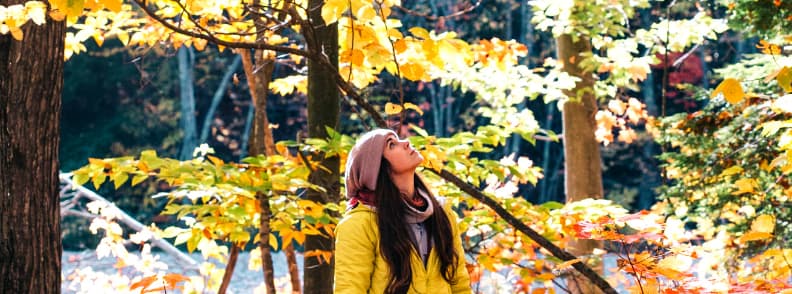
<point x="525" y="229"/>
<point x="241" y="45"/>
<point x="436" y="18"/>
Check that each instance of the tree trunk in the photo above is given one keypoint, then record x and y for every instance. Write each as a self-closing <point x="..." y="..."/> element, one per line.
<point x="323" y="111"/>
<point x="583" y="171"/>
<point x="261" y="142"/>
<point x="31" y="81"/>
<point x="187" y="98"/>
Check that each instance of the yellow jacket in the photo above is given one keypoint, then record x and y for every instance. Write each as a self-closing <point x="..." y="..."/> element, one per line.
<point x="360" y="267"/>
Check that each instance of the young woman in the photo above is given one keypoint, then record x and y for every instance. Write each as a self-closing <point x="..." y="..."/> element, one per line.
<point x="395" y="236"/>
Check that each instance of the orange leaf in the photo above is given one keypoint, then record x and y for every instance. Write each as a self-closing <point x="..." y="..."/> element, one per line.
<point x="731" y="89"/>
<point x="763" y="224"/>
<point x="173" y="279"/>
<point x="144" y="283"/>
<point x="754" y="236"/>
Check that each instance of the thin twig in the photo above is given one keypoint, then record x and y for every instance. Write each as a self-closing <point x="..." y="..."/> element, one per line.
<point x="436" y="18"/>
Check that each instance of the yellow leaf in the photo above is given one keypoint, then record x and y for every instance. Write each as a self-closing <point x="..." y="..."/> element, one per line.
<point x="745" y="186"/>
<point x="731" y="171"/>
<point x="273" y="241"/>
<point x="280" y="182"/>
<point x="753" y="236"/>
<point x="122" y="36"/>
<point x="311" y="208"/>
<point x="394" y="33"/>
<point x="200" y="44"/>
<point x="409" y="105"/>
<point x="138" y="178"/>
<point x="333" y="9"/>
<point x="731" y="89"/>
<point x="412" y="71"/>
<point x="784" y="79"/>
<point x="420" y="32"/>
<point x="392" y="109"/>
<point x="764" y="223"/>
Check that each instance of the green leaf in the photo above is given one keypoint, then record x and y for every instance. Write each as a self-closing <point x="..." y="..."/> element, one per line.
<point x="552" y="205"/>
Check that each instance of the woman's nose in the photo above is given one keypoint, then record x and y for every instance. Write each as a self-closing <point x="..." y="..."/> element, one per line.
<point x="406" y="144"/>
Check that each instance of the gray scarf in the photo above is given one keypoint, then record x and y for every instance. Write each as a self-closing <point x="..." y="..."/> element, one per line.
<point x="415" y="220"/>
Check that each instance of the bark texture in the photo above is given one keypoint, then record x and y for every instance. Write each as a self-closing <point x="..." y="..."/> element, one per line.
<point x="323" y="111"/>
<point x="31" y="81"/>
<point x="583" y="170"/>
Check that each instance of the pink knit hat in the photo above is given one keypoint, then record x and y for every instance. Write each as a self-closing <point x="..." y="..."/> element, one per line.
<point x="363" y="164"/>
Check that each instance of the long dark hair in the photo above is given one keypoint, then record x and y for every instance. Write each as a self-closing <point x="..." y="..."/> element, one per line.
<point x="395" y="243"/>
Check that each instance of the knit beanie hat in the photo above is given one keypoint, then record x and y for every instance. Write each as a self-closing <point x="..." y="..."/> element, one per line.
<point x="363" y="164"/>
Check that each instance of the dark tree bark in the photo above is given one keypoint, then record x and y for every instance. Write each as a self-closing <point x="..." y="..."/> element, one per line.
<point x="323" y="111"/>
<point x="31" y="81"/>
<point x="583" y="170"/>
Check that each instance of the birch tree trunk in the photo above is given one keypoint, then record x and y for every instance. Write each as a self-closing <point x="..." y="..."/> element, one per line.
<point x="31" y="82"/>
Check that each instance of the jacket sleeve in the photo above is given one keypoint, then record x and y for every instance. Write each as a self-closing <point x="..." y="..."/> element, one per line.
<point x="355" y="248"/>
<point x="461" y="282"/>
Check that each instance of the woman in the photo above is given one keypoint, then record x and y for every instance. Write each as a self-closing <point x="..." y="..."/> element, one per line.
<point x="395" y="236"/>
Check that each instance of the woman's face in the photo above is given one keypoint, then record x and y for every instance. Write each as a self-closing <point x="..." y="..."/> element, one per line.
<point x="401" y="155"/>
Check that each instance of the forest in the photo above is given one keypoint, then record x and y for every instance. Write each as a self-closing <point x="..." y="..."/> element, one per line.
<point x="585" y="146"/>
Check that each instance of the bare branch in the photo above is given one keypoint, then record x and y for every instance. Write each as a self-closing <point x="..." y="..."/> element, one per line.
<point x="211" y="38"/>
<point x="436" y="18"/>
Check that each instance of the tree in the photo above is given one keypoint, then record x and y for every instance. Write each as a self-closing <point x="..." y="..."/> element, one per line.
<point x="323" y="113"/>
<point x="582" y="170"/>
<point x="31" y="80"/>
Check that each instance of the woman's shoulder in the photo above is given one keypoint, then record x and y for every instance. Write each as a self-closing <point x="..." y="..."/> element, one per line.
<point x="360" y="215"/>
